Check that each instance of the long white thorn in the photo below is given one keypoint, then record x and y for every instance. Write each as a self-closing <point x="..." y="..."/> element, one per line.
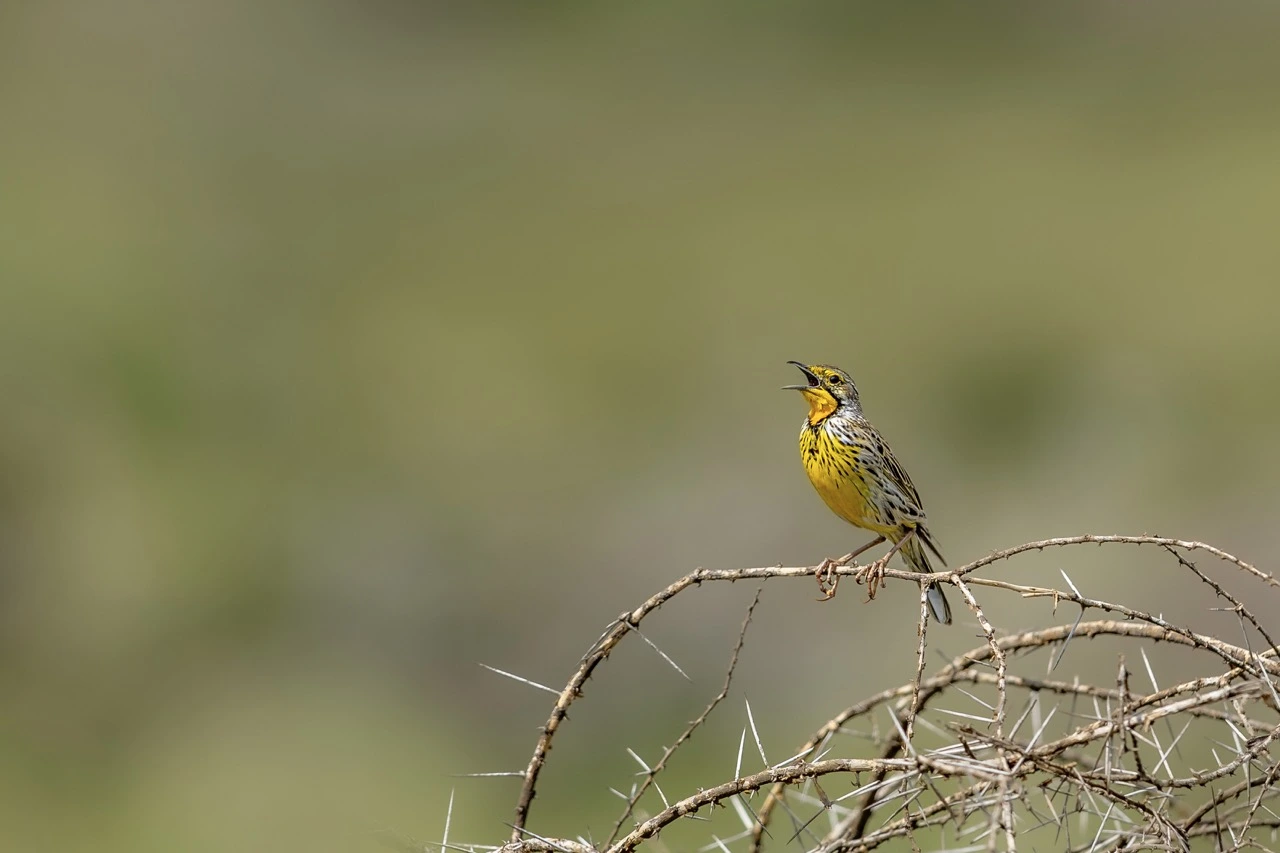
<point x="737" y="768"/>
<point x="448" y="818"/>
<point x="752" y="720"/>
<point x="514" y="677"/>
<point x="664" y="655"/>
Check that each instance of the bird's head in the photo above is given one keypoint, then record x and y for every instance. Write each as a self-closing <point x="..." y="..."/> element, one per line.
<point x="826" y="390"/>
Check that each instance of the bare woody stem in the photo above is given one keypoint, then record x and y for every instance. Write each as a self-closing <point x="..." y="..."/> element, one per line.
<point x="916" y="694"/>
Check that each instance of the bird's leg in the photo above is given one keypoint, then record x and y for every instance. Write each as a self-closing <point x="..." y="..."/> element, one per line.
<point x="873" y="574"/>
<point x="828" y="580"/>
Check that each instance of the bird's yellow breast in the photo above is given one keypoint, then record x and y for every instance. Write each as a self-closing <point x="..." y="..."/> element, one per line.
<point x="841" y="481"/>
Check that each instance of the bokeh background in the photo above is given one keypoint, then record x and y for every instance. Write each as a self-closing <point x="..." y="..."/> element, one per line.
<point x="346" y="346"/>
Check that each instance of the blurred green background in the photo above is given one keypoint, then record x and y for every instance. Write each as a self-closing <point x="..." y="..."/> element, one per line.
<point x="344" y="346"/>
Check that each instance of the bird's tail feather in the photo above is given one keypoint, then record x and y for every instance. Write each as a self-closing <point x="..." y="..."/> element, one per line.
<point x="916" y="558"/>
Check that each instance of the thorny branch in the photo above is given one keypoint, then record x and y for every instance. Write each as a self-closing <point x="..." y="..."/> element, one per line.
<point x="1072" y="758"/>
<point x="693" y="726"/>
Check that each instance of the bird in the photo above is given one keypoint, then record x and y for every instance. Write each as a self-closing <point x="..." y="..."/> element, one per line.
<point x="856" y="474"/>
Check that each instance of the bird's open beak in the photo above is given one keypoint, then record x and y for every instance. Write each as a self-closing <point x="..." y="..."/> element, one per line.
<point x="813" y="382"/>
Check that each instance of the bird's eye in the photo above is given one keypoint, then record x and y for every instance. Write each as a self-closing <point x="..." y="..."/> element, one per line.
<point x="835" y="380"/>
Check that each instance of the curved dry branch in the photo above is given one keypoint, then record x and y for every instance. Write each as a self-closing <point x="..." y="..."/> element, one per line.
<point x="960" y="669"/>
<point x="745" y="784"/>
<point x="1107" y="757"/>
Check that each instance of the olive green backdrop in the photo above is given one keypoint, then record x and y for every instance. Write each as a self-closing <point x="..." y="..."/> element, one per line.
<point x="345" y="346"/>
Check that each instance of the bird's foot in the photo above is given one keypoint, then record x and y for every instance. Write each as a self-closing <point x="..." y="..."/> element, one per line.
<point x="828" y="577"/>
<point x="872" y="575"/>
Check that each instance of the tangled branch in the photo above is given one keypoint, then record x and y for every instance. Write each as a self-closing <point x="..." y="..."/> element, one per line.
<point x="1093" y="767"/>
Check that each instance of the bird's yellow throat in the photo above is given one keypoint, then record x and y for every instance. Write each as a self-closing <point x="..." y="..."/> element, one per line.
<point x="821" y="404"/>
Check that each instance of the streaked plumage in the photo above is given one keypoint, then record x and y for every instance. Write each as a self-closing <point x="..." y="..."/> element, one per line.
<point x="858" y="477"/>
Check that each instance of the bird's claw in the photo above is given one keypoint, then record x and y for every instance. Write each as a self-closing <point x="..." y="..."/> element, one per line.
<point x="828" y="578"/>
<point x="872" y="575"/>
